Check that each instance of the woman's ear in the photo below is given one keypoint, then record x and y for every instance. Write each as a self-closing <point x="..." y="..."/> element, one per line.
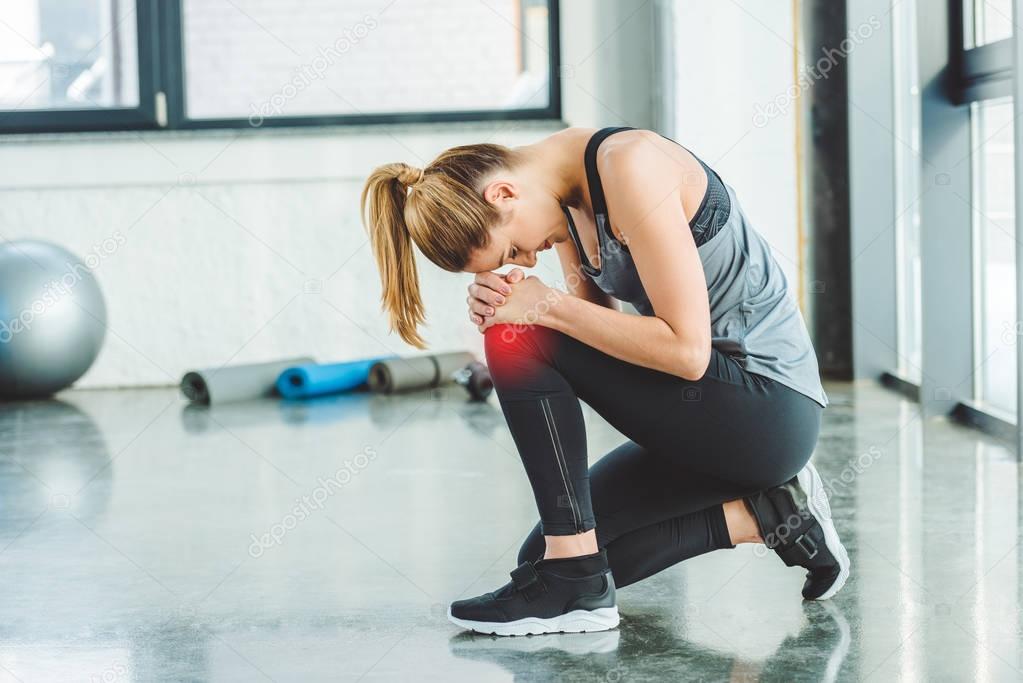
<point x="498" y="191"/>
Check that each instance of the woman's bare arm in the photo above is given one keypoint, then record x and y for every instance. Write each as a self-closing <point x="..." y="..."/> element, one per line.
<point x="644" y="197"/>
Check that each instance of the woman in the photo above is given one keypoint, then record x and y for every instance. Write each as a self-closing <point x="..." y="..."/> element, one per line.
<point x="715" y="385"/>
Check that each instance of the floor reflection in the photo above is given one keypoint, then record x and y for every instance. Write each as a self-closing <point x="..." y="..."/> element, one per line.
<point x="61" y="456"/>
<point x="651" y="649"/>
<point x="126" y="519"/>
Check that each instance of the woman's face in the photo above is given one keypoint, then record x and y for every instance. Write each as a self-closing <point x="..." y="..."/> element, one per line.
<point x="531" y="221"/>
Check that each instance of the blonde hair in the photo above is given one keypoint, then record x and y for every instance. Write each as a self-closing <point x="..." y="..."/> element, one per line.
<point x="441" y="210"/>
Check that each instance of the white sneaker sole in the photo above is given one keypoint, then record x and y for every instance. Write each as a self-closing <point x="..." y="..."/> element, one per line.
<point x="577" y="621"/>
<point x="812" y="483"/>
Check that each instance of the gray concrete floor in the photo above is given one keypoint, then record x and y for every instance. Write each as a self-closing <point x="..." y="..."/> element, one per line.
<point x="144" y="540"/>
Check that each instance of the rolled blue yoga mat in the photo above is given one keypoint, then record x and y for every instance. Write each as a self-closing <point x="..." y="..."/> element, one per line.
<point x="309" y="380"/>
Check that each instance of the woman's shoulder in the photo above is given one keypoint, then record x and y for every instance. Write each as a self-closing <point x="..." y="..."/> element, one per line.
<point x="643" y="166"/>
<point x="644" y="155"/>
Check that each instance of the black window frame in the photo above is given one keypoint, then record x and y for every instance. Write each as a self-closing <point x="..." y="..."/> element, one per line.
<point x="975" y="75"/>
<point x="162" y="98"/>
<point x="978" y="73"/>
<point x="140" y="117"/>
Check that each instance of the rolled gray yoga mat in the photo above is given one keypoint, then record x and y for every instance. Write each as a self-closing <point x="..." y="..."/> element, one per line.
<point x="237" y="382"/>
<point x="421" y="372"/>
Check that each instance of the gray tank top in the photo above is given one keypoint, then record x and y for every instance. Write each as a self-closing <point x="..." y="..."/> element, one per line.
<point x="753" y="317"/>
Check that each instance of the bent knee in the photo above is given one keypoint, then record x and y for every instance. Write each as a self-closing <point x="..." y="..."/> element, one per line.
<point x="510" y="340"/>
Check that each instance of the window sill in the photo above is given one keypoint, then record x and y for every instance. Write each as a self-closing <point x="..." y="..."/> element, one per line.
<point x="163" y="159"/>
<point x="989" y="420"/>
<point x="907" y="388"/>
<point x="340" y="130"/>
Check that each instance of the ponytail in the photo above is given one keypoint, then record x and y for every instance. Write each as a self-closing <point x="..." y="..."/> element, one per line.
<point x="385" y="194"/>
<point x="441" y="210"/>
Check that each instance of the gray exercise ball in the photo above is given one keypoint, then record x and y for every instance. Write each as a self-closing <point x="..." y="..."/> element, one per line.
<point x="52" y="318"/>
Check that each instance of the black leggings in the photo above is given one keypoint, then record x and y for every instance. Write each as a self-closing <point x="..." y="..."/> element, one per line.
<point x="656" y="499"/>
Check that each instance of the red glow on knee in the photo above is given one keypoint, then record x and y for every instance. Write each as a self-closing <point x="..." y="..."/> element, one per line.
<point x="504" y="336"/>
<point x="512" y="351"/>
<point x="502" y="343"/>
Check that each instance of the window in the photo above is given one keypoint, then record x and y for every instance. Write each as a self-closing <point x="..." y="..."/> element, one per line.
<point x="981" y="65"/>
<point x="64" y="54"/>
<point x="111" y="64"/>
<point x="994" y="263"/>
<point x="325" y="58"/>
<point x="948" y="333"/>
<point x="986" y="21"/>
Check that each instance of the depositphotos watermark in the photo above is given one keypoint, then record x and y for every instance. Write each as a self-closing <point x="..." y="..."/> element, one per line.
<point x="818" y="71"/>
<point x="314" y="70"/>
<point x="557" y="292"/>
<point x="56" y="290"/>
<point x="118" y="671"/>
<point x="853" y="469"/>
<point x="314" y="500"/>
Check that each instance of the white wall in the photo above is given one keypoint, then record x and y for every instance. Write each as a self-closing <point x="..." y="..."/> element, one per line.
<point x="734" y="58"/>
<point x="607" y="62"/>
<point x="243" y="247"/>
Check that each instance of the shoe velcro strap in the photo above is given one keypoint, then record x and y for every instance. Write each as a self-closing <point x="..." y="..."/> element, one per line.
<point x="527" y="581"/>
<point x="798" y="550"/>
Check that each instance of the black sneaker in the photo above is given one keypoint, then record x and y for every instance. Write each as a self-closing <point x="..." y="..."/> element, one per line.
<point x="795" y="521"/>
<point x="573" y="595"/>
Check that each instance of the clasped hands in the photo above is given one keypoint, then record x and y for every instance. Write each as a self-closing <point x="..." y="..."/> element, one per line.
<point x="511" y="297"/>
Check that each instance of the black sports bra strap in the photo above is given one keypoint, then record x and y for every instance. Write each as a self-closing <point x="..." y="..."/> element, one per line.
<point x="714" y="209"/>
<point x="715" y="186"/>
<point x="592" y="176"/>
